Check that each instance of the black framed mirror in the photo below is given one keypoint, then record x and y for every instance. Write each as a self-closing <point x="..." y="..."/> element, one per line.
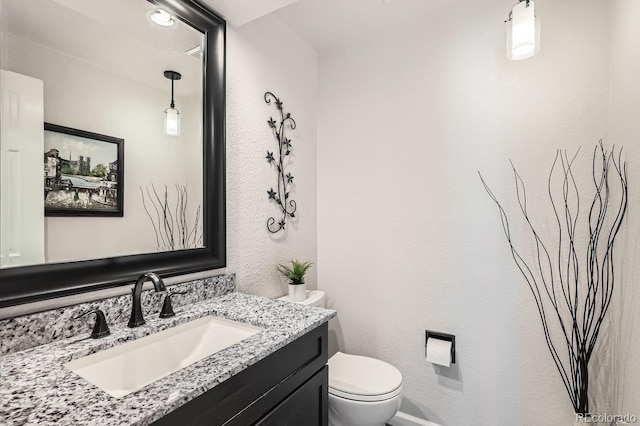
<point x="36" y="282"/>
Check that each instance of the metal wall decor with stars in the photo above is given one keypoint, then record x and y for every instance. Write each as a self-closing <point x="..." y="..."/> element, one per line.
<point x="286" y="205"/>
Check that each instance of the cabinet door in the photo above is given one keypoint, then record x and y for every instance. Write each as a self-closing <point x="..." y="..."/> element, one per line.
<point x="307" y="405"/>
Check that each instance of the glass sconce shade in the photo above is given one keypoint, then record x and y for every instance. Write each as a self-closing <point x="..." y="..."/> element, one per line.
<point x="172" y="121"/>
<point x="523" y="31"/>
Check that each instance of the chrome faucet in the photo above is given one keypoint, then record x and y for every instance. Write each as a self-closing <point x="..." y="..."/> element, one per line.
<point x="136" y="307"/>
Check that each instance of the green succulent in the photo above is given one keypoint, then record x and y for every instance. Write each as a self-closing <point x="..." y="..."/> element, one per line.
<point x="296" y="272"/>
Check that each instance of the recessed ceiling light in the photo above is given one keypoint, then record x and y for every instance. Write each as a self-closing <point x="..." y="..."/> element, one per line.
<point x="161" y="17"/>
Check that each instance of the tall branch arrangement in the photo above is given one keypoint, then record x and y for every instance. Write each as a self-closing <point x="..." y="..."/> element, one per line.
<point x="170" y="225"/>
<point x="286" y="206"/>
<point x="572" y="278"/>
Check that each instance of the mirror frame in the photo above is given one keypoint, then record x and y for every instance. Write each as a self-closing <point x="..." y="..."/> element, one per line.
<point x="25" y="284"/>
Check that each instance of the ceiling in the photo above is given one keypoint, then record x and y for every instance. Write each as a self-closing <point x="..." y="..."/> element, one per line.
<point x="239" y="12"/>
<point x="118" y="38"/>
<point x="324" y="24"/>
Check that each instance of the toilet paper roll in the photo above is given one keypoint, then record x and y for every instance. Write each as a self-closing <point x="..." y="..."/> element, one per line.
<point x="439" y="351"/>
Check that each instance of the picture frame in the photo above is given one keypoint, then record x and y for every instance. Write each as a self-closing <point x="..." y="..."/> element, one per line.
<point x="77" y="182"/>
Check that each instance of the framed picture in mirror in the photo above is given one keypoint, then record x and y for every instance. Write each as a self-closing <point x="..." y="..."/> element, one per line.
<point x="83" y="173"/>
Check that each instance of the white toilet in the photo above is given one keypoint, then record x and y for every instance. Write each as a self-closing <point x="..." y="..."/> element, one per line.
<point x="363" y="391"/>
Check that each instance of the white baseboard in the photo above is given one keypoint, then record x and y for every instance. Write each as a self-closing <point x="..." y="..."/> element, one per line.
<point x="404" y="419"/>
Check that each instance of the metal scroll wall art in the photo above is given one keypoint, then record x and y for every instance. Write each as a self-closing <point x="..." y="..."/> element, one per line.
<point x="277" y="159"/>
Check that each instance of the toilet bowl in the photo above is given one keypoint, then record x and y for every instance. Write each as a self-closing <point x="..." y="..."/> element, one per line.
<point x="363" y="391"/>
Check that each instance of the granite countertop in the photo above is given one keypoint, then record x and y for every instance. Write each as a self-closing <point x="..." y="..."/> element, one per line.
<point x="35" y="387"/>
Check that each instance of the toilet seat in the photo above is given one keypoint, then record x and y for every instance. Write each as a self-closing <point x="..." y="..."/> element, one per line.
<point x="366" y="398"/>
<point x="361" y="378"/>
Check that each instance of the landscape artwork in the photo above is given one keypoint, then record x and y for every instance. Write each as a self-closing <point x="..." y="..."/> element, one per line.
<point x="83" y="173"/>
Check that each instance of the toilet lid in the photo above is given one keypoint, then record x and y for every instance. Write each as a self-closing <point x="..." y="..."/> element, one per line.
<point x="362" y="378"/>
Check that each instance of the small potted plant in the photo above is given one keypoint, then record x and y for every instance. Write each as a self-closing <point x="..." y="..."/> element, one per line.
<point x="295" y="275"/>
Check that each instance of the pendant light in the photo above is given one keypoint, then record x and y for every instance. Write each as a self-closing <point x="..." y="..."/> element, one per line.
<point x="523" y="31"/>
<point x="171" y="114"/>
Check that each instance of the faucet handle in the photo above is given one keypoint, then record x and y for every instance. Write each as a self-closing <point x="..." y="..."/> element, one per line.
<point x="100" y="329"/>
<point x="167" y="308"/>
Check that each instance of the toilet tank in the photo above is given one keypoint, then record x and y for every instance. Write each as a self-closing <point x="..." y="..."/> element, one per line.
<point x="314" y="298"/>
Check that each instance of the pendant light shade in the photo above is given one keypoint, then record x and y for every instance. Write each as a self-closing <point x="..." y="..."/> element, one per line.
<point x="171" y="114"/>
<point x="172" y="122"/>
<point x="523" y="31"/>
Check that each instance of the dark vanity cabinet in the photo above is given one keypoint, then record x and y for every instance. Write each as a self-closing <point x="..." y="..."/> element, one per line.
<point x="288" y="387"/>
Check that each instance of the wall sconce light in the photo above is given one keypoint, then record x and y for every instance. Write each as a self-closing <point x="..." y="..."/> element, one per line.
<point x="171" y="114"/>
<point x="523" y="31"/>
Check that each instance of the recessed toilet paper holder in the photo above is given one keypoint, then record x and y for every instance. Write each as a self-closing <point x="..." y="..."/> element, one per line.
<point x="441" y="336"/>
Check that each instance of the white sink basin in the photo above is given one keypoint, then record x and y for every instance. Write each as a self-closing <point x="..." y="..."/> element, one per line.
<point x="129" y="367"/>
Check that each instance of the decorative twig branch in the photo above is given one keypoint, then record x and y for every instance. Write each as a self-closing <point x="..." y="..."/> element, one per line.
<point x="172" y="231"/>
<point x="281" y="197"/>
<point x="573" y="293"/>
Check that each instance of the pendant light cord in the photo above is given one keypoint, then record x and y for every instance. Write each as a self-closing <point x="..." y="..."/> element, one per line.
<point x="172" y="103"/>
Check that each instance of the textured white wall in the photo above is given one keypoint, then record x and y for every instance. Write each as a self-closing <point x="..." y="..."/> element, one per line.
<point x="265" y="55"/>
<point x="408" y="239"/>
<point x="625" y="131"/>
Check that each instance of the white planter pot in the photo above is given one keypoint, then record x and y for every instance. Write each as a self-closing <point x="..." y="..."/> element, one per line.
<point x="298" y="292"/>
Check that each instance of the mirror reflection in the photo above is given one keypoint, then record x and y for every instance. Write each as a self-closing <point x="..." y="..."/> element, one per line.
<point x="101" y="131"/>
